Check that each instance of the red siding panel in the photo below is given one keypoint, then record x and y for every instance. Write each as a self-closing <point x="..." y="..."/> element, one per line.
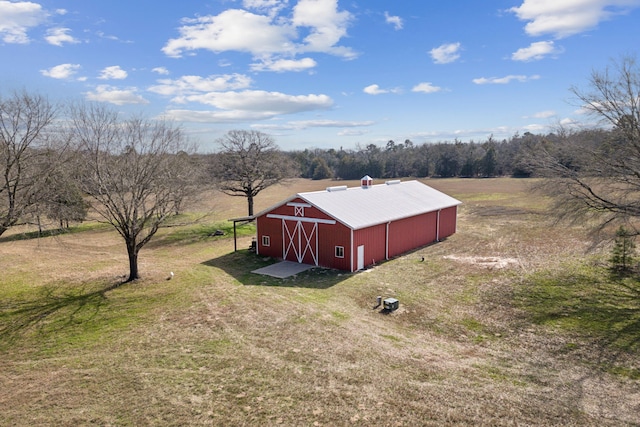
<point x="330" y="237"/>
<point x="411" y="233"/>
<point x="374" y="241"/>
<point x="448" y="221"/>
<point x="273" y="229"/>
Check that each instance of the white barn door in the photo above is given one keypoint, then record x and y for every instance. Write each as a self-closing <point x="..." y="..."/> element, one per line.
<point x="360" y="257"/>
<point x="300" y="240"/>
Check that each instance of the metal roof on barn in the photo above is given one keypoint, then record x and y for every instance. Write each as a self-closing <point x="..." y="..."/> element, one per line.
<point x="361" y="207"/>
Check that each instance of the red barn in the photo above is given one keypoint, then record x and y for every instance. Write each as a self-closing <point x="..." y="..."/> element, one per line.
<point x="352" y="228"/>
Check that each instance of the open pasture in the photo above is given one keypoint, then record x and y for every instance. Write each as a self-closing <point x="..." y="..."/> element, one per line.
<point x="511" y="321"/>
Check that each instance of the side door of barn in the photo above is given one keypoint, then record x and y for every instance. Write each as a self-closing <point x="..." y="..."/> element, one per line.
<point x="360" y="257"/>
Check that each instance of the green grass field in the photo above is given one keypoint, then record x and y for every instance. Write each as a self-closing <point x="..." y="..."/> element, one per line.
<point x="511" y="321"/>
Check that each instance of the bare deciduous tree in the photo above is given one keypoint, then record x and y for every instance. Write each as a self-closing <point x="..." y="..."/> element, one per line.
<point x="249" y="162"/>
<point x="599" y="180"/>
<point x="30" y="150"/>
<point x="134" y="170"/>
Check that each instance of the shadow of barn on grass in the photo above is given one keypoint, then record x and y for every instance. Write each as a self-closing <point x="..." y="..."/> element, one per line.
<point x="240" y="265"/>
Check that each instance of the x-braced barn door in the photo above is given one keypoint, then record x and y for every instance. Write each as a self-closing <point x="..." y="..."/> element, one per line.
<point x="300" y="241"/>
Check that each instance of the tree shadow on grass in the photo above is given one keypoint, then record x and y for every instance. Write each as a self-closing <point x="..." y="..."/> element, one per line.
<point x="54" y="232"/>
<point x="603" y="308"/>
<point x="50" y="311"/>
<point x="240" y="265"/>
<point x="29" y="235"/>
<point x="621" y="312"/>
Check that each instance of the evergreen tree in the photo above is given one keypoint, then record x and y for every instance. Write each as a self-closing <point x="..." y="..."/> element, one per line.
<point x="623" y="251"/>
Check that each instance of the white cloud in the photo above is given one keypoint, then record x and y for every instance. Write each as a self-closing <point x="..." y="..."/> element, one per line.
<point x="105" y="93"/>
<point x="326" y="26"/>
<point x="566" y="18"/>
<point x="568" y="121"/>
<point x="62" y="71"/>
<point x="249" y="105"/>
<point x="110" y="37"/>
<point x="209" y="116"/>
<point x="307" y="124"/>
<point x="281" y="65"/>
<point x="189" y="85"/>
<point x="352" y="132"/>
<point x="396" y="21"/>
<point x="373" y="90"/>
<point x="16" y="18"/>
<point x="223" y="92"/>
<point x="426" y="88"/>
<point x="535" y="51"/>
<point x="59" y="36"/>
<point x="113" y="73"/>
<point x="267" y="36"/>
<point x="445" y="53"/>
<point x="161" y="70"/>
<point x="584" y="110"/>
<point x="544" y="114"/>
<point x="535" y="128"/>
<point x="270" y="7"/>
<point x="233" y="29"/>
<point x="263" y="102"/>
<point x="377" y="90"/>
<point x="478" y="133"/>
<point x="505" y="79"/>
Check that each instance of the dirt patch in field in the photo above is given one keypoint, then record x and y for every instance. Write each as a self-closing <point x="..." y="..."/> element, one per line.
<point x="489" y="262"/>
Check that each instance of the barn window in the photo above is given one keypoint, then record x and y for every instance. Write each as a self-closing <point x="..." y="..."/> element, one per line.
<point x="339" y="251"/>
<point x="266" y="241"/>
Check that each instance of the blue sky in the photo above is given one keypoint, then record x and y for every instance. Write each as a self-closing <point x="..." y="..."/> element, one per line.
<point x="321" y="73"/>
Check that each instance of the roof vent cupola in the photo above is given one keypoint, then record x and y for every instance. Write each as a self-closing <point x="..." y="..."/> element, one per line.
<point x="366" y="181"/>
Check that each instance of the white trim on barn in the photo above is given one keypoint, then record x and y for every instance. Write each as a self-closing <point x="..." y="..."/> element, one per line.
<point x="302" y="219"/>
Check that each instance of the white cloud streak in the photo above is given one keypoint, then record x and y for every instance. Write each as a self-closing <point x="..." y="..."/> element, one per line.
<point x="282" y="65"/>
<point x="262" y="103"/>
<point x="225" y="93"/>
<point x="112" y="95"/>
<point x="426" y="87"/>
<point x="249" y="106"/>
<point x="374" y="89"/>
<point x="544" y="114"/>
<point x="308" y="124"/>
<point x="189" y="85"/>
<point x="505" y="80"/>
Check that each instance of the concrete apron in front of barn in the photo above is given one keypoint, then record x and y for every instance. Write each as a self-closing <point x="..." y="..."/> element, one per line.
<point x="283" y="269"/>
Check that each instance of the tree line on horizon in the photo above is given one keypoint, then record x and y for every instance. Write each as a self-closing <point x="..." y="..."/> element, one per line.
<point x="512" y="157"/>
